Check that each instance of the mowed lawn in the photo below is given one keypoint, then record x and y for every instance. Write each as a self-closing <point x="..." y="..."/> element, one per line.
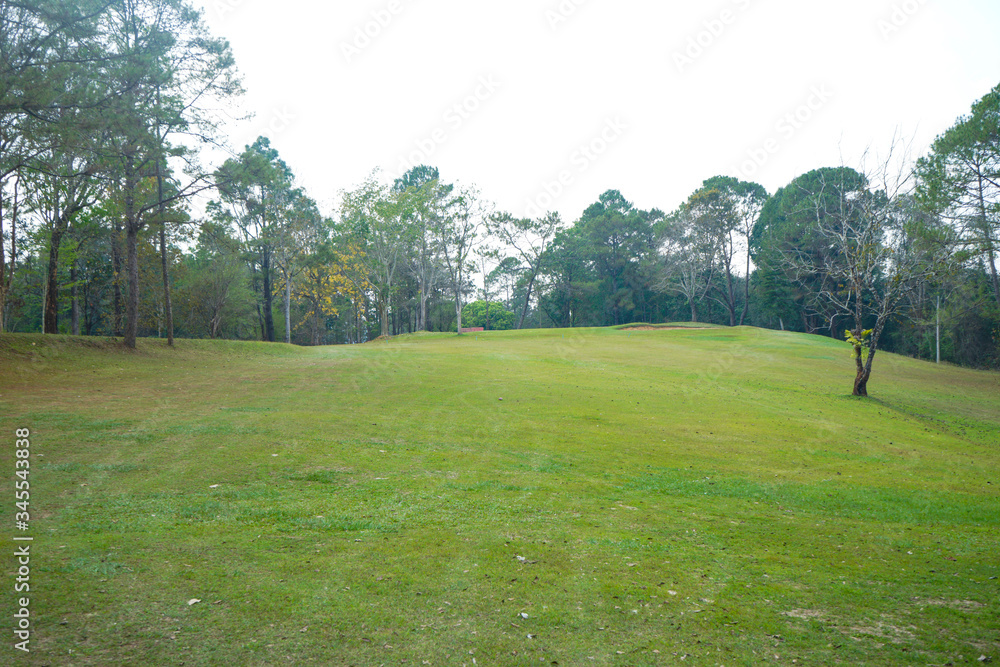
<point x="578" y="497"/>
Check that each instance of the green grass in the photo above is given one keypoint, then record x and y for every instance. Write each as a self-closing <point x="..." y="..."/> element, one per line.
<point x="641" y="495"/>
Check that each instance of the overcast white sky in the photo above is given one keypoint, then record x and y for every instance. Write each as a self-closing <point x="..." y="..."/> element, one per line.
<point x="647" y="97"/>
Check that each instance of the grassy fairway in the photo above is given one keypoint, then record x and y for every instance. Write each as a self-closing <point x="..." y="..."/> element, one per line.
<point x="582" y="497"/>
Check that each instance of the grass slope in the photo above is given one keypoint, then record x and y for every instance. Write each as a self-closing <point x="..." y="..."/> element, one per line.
<point x="594" y="497"/>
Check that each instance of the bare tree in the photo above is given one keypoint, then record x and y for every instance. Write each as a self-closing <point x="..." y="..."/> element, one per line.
<point x="872" y="263"/>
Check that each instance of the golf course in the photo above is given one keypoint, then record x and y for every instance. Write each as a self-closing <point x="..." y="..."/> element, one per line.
<point x="620" y="496"/>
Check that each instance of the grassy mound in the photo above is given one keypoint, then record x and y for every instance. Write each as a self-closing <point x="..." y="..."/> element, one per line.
<point x="602" y="496"/>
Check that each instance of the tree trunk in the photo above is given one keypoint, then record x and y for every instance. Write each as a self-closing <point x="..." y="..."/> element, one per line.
<point x="989" y="240"/>
<point x="458" y="315"/>
<point x="168" y="308"/>
<point x="865" y="367"/>
<point x="215" y="324"/>
<point x="116" y="263"/>
<point x="288" y="308"/>
<point x="422" y="323"/>
<point x="316" y="326"/>
<point x="74" y="309"/>
<point x="993" y="273"/>
<point x="861" y="384"/>
<point x="50" y="324"/>
<point x="7" y="268"/>
<point x="3" y="265"/>
<point x="527" y="301"/>
<point x="89" y="316"/>
<point x="132" y="227"/>
<point x="731" y="300"/>
<point x="4" y="281"/>
<point x="694" y="310"/>
<point x="861" y="379"/>
<point x="746" y="293"/>
<point x="937" y="331"/>
<point x="615" y="308"/>
<point x="268" y="298"/>
<point x="132" y="306"/>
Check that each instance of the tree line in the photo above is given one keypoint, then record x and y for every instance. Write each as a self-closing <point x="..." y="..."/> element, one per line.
<point x="105" y="106"/>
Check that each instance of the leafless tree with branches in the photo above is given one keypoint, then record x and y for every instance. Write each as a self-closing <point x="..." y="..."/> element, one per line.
<point x="873" y="259"/>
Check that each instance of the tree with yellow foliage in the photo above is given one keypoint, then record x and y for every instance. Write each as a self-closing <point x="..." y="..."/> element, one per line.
<point x="330" y="277"/>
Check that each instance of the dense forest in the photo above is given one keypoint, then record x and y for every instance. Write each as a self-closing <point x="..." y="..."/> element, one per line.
<point x="108" y="107"/>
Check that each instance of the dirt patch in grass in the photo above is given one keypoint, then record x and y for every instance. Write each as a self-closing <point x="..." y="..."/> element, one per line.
<point x="961" y="605"/>
<point x="884" y="631"/>
<point x="805" y="614"/>
<point x="881" y="630"/>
